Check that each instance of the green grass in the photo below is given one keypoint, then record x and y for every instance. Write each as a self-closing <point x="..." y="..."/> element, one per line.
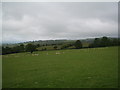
<point x="77" y="68"/>
<point x="59" y="46"/>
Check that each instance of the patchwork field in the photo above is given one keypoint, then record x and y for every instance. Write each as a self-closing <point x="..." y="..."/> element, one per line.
<point x="75" y="68"/>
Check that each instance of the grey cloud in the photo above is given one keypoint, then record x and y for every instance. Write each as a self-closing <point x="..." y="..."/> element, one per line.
<point x="36" y="21"/>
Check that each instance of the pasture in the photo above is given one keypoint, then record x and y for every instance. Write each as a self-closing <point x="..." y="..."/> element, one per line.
<point x="74" y="68"/>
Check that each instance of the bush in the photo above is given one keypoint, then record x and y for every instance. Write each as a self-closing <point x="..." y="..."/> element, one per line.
<point x="78" y="44"/>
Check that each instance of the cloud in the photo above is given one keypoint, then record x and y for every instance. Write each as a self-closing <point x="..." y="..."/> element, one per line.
<point x="0" y="23"/>
<point x="41" y="21"/>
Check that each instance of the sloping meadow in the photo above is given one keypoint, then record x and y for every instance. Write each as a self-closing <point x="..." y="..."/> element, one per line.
<point x="75" y="68"/>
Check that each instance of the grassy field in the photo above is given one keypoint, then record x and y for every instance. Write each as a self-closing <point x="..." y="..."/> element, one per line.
<point x="76" y="68"/>
<point x="59" y="46"/>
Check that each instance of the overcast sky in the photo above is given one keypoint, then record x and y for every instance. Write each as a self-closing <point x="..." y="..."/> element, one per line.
<point x="45" y="21"/>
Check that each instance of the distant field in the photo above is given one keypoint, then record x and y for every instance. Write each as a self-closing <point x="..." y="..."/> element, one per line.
<point x="75" y="68"/>
<point x="51" y="47"/>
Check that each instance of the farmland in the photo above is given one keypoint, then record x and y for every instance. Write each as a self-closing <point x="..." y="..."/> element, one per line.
<point x="74" y="68"/>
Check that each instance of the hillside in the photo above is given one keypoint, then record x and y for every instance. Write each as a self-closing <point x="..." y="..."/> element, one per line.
<point x="76" y="68"/>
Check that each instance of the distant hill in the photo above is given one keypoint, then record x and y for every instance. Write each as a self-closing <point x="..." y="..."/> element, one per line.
<point x="49" y="42"/>
<point x="52" y="42"/>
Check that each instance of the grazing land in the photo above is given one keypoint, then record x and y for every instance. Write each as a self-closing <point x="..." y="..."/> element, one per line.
<point x="74" y="68"/>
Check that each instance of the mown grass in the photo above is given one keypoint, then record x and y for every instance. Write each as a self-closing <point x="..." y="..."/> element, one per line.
<point x="77" y="68"/>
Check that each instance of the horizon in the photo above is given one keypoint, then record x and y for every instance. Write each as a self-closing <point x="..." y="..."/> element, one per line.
<point x="53" y="39"/>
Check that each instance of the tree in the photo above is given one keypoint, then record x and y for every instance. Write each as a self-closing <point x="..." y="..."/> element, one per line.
<point x="6" y="50"/>
<point x="15" y="49"/>
<point x="91" y="45"/>
<point x="119" y="41"/>
<point x="78" y="44"/>
<point x="21" y="47"/>
<point x="105" y="41"/>
<point x="30" y="48"/>
<point x="114" y="42"/>
<point x="43" y="49"/>
<point x="3" y="50"/>
<point x="55" y="47"/>
<point x="96" y="42"/>
<point x="38" y="45"/>
<point x="63" y="47"/>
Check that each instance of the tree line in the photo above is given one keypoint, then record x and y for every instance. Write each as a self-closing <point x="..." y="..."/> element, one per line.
<point x="104" y="42"/>
<point x="18" y="49"/>
<point x="98" y="42"/>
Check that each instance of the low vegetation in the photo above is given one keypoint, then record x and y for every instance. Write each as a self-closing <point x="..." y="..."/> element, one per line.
<point x="31" y="47"/>
<point x="75" y="64"/>
<point x="73" y="68"/>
